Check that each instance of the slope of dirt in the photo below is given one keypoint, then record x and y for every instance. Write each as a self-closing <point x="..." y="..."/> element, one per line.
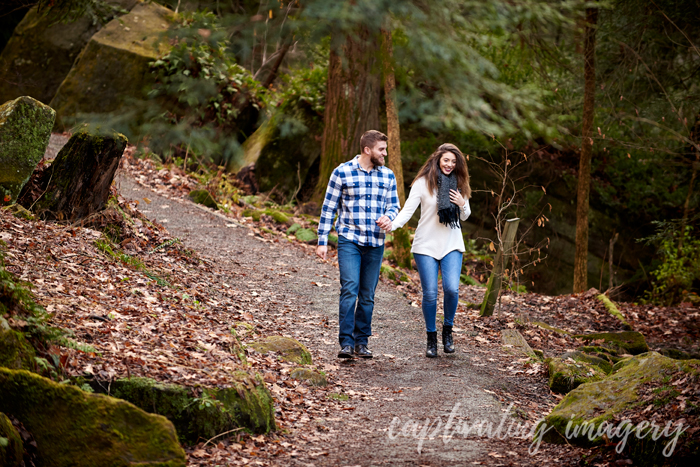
<point x="400" y="382"/>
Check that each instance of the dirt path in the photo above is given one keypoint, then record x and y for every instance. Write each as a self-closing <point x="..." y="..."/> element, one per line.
<point x="399" y="382"/>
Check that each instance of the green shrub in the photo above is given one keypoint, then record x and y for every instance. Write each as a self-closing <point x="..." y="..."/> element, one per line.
<point x="677" y="273"/>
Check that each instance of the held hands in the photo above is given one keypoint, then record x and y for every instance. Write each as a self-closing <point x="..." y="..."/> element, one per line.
<point x="384" y="223"/>
<point x="321" y="251"/>
<point x="456" y="198"/>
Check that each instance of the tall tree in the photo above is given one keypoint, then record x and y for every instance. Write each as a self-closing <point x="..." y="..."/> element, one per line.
<point x="392" y="113"/>
<point x="584" y="171"/>
<point x="352" y="100"/>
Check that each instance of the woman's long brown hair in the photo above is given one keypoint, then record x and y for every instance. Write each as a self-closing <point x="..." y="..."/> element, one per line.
<point x="431" y="170"/>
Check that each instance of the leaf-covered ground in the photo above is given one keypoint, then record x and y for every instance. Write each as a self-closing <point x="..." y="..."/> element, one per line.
<point x="162" y="301"/>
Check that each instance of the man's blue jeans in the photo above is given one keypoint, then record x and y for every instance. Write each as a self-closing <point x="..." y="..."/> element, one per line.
<point x="359" y="274"/>
<point x="451" y="267"/>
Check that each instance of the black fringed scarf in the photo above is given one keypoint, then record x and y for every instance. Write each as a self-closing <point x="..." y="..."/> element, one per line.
<point x="448" y="212"/>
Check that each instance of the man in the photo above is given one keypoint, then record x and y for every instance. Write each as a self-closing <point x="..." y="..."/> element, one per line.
<point x="363" y="192"/>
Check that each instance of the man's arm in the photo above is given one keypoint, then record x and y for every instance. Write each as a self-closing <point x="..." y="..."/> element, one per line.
<point x="392" y="209"/>
<point x="393" y="205"/>
<point x="330" y="205"/>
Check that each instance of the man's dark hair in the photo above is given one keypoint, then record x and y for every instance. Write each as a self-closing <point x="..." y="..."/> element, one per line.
<point x="370" y="138"/>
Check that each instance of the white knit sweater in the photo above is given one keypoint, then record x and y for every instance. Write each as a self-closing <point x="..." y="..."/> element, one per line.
<point x="432" y="238"/>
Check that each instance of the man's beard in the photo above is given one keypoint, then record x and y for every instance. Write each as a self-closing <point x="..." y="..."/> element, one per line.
<point x="376" y="161"/>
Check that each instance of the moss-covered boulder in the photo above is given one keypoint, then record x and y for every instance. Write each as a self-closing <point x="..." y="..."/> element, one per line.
<point x="41" y="51"/>
<point x="310" y="376"/>
<point x="25" y="128"/>
<point x="601" y="363"/>
<point x="113" y="68"/>
<point x="305" y="235"/>
<point x="75" y="428"/>
<point x="586" y="415"/>
<point x="78" y="182"/>
<point x="15" y="352"/>
<point x="11" y="448"/>
<point x="246" y="404"/>
<point x="204" y="198"/>
<point x="566" y="374"/>
<point x="630" y="342"/>
<point x="289" y="350"/>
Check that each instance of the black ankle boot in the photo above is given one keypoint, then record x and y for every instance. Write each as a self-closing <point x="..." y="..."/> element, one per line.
<point x="431" y="351"/>
<point x="449" y="345"/>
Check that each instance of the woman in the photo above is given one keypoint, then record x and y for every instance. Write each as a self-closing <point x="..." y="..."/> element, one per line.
<point x="438" y="242"/>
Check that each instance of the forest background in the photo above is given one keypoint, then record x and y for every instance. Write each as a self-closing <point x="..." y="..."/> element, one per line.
<point x="290" y="86"/>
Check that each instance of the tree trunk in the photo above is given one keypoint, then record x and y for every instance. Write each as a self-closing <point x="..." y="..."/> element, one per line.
<point x="493" y="288"/>
<point x="77" y="182"/>
<point x="584" y="171"/>
<point x="352" y="103"/>
<point x="695" y="136"/>
<point x="392" y="114"/>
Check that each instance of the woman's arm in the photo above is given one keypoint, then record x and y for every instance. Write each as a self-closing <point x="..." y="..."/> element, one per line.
<point x="465" y="210"/>
<point x="410" y="206"/>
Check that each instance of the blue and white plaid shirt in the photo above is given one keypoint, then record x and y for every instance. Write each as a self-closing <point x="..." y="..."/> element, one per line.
<point x="360" y="197"/>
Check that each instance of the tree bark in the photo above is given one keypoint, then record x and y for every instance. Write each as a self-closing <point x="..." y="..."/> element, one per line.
<point x="584" y="171"/>
<point x="77" y="182"/>
<point x="392" y="114"/>
<point x="352" y="103"/>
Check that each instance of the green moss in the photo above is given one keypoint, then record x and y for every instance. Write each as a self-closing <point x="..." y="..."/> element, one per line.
<point x="612" y="309"/>
<point x="277" y="216"/>
<point x="333" y="239"/>
<point x="293" y="228"/>
<point x="72" y="427"/>
<point x="20" y="212"/>
<point x="392" y="274"/>
<point x="25" y="128"/>
<point x="630" y="342"/>
<point x="305" y="235"/>
<point x="11" y="448"/>
<point x="15" y="352"/>
<point x="254" y="213"/>
<point x="310" y="376"/>
<point x="246" y="404"/>
<point x="289" y="349"/>
<point x="338" y="397"/>
<point x="204" y="198"/>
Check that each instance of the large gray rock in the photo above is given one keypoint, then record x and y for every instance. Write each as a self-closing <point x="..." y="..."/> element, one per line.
<point x="41" y="52"/>
<point x="113" y="68"/>
<point x="25" y="128"/>
<point x="74" y="428"/>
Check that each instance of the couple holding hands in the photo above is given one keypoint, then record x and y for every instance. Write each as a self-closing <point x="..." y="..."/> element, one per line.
<point x="363" y="193"/>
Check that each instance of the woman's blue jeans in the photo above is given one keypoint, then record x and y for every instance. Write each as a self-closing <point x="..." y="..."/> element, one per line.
<point x="359" y="274"/>
<point x="451" y="267"/>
